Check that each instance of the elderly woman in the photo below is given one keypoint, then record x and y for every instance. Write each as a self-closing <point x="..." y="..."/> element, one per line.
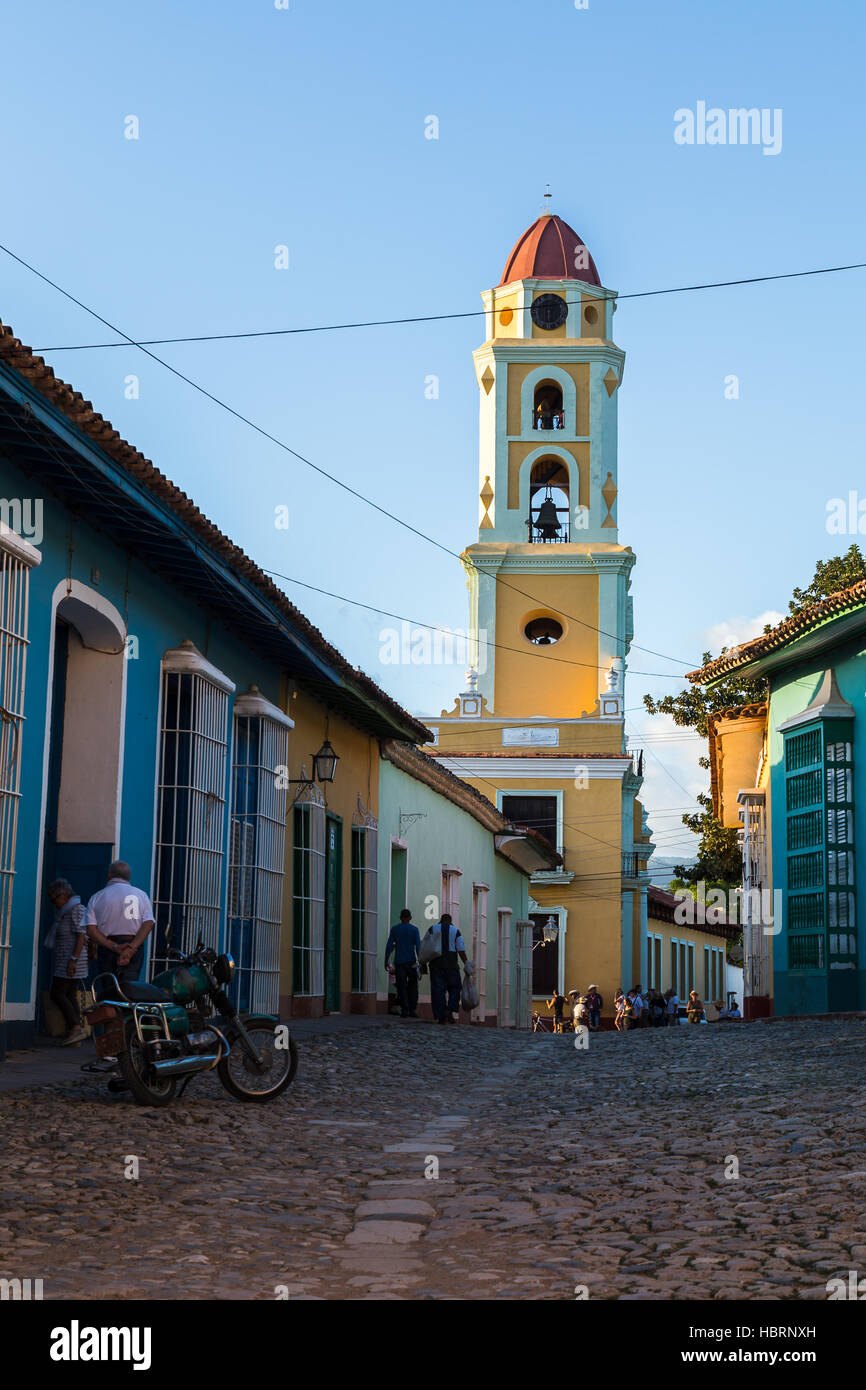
<point x="68" y="936"/>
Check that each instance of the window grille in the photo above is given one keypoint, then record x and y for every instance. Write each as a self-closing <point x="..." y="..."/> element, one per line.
<point x="308" y="894"/>
<point x="802" y="750"/>
<point x="524" y="974"/>
<point x="17" y="557"/>
<point x="820" y="882"/>
<point x="804" y="790"/>
<point x="365" y="916"/>
<point x="256" y="851"/>
<point x="479" y="947"/>
<point x="806" y="952"/>
<point x="190" y="832"/>
<point x="503" y="969"/>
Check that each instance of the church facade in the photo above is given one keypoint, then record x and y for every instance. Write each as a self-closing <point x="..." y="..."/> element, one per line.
<point x="539" y="728"/>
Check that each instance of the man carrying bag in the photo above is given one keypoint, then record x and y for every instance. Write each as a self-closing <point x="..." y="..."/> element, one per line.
<point x="440" y="949"/>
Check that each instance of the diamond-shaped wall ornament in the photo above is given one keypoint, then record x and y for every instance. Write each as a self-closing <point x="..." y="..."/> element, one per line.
<point x="611" y="381"/>
<point x="487" y="379"/>
<point x="609" y="493"/>
<point x="486" y="495"/>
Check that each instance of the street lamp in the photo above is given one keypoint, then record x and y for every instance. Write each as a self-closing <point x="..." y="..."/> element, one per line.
<point x="325" y="762"/>
<point x="324" y="767"/>
<point x="549" y="933"/>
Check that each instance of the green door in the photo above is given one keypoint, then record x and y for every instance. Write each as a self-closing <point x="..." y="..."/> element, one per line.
<point x="333" y="887"/>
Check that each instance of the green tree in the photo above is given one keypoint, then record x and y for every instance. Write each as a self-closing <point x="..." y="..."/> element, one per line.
<point x="831" y="576"/>
<point x="719" y="862"/>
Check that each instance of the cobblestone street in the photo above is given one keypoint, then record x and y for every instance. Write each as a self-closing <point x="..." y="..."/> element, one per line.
<point x="557" y="1167"/>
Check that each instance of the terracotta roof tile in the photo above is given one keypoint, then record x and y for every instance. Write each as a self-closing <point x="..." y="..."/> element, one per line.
<point x="833" y="606"/>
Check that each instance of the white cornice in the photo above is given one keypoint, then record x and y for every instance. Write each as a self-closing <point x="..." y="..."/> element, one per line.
<point x="16" y="545"/>
<point x="253" y="705"/>
<point x="551" y="769"/>
<point x="188" y="658"/>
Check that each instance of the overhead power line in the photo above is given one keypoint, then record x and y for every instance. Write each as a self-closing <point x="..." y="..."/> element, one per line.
<point x="433" y="627"/>
<point x="323" y="472"/>
<point x="432" y="318"/>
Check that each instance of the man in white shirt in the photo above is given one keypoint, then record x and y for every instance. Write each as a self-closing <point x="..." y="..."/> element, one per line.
<point x="673" y="1007"/>
<point x="119" y="919"/>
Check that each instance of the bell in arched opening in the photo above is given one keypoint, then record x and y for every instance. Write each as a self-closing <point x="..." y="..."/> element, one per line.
<point x="547" y="523"/>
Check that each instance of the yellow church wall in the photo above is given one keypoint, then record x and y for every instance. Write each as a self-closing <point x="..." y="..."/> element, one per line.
<point x="591" y="845"/>
<point x="477" y="736"/>
<point x="517" y="374"/>
<point x="546" y="684"/>
<point x="507" y="318"/>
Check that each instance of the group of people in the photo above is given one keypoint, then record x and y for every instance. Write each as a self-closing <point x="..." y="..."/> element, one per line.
<point x="652" y="1009"/>
<point x="105" y="936"/>
<point x="633" y="1009"/>
<point x="585" y="1009"/>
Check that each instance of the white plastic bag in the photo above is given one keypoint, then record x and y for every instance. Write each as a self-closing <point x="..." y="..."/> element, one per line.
<point x="469" y="997"/>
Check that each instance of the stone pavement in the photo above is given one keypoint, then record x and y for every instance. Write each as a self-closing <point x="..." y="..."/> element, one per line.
<point x="609" y="1170"/>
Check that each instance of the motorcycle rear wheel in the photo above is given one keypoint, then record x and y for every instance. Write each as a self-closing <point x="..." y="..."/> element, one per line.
<point x="131" y="1064"/>
<point x="237" y="1072"/>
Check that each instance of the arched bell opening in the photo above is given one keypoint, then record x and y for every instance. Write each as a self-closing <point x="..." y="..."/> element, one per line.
<point x="548" y="502"/>
<point x="547" y="410"/>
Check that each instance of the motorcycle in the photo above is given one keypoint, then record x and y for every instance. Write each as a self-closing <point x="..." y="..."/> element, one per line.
<point x="184" y="1023"/>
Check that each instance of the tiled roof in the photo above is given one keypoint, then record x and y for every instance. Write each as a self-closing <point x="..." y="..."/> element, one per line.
<point x="547" y="251"/>
<point x="833" y="606"/>
<point x="81" y="414"/>
<point x="661" y="905"/>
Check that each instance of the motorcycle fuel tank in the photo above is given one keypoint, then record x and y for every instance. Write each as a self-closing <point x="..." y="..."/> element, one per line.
<point x="184" y="983"/>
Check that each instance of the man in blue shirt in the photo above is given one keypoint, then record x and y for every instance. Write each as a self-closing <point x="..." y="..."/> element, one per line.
<point x="405" y="941"/>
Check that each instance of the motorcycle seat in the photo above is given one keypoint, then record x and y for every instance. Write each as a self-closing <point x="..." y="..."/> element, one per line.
<point x="140" y="992"/>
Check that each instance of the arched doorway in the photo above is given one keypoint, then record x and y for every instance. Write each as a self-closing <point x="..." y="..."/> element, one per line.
<point x="85" y="744"/>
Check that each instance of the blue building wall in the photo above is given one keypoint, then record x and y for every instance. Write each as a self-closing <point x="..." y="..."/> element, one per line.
<point x="160" y="617"/>
<point x="829" y="989"/>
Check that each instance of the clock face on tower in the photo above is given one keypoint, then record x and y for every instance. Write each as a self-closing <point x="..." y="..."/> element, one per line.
<point x="548" y="311"/>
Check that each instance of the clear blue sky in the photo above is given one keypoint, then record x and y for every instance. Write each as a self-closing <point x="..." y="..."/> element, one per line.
<point x="305" y="127"/>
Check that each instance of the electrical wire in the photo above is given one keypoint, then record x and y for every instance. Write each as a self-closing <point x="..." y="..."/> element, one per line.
<point x="281" y="444"/>
<point x="435" y="318"/>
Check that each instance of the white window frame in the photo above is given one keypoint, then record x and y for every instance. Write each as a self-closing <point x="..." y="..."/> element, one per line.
<point x="503" y="968"/>
<point x="313" y="902"/>
<point x="201" y="837"/>
<point x="524" y="974"/>
<point x="450" y="892"/>
<point x="368" y="875"/>
<point x="17" y="558"/>
<point x="258" y="878"/>
<point x="480" y="892"/>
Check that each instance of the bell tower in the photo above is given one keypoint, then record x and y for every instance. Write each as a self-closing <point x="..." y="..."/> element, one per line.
<point x="539" y="727"/>
<point x="547" y="575"/>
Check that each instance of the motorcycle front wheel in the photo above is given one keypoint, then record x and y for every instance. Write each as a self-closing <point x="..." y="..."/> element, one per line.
<point x="239" y="1073"/>
<point x="133" y="1069"/>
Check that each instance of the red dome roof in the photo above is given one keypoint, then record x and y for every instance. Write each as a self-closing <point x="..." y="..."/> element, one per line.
<point x="547" y="251"/>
